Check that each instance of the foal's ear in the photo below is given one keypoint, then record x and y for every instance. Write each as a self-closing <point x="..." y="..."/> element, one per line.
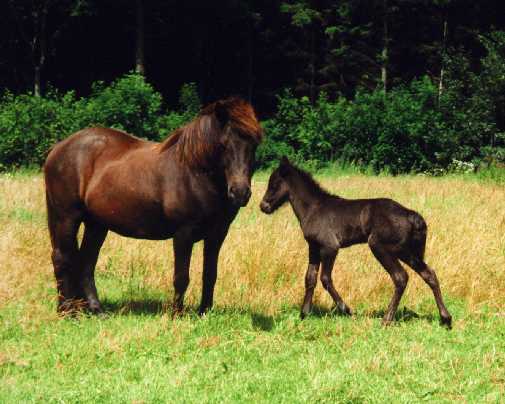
<point x="221" y="112"/>
<point x="284" y="166"/>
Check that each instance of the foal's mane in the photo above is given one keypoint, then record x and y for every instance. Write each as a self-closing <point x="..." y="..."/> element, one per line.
<point x="312" y="185"/>
<point x="197" y="141"/>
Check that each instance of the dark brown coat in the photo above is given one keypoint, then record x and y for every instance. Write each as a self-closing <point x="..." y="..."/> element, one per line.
<point x="329" y="223"/>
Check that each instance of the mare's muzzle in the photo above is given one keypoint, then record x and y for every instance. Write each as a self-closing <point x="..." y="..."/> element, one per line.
<point x="239" y="195"/>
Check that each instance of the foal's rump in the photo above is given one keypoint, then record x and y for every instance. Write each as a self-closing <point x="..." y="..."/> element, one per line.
<point x="394" y="224"/>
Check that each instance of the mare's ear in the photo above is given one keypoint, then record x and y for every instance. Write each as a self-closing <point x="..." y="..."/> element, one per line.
<point x="221" y="112"/>
<point x="284" y="161"/>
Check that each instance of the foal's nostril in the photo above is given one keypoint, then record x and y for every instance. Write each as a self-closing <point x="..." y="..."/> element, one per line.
<point x="265" y="207"/>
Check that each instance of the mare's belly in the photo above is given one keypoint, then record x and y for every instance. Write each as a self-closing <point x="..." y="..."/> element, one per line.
<point x="143" y="226"/>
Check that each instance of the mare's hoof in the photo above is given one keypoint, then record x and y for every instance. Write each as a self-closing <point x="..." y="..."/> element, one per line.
<point x="94" y="309"/>
<point x="303" y="315"/>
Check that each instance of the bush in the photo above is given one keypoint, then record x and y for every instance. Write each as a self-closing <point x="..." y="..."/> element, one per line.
<point x="400" y="132"/>
<point x="30" y="125"/>
<point x="129" y="104"/>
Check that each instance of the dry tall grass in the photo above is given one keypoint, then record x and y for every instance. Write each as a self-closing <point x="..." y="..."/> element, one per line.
<point x="264" y="258"/>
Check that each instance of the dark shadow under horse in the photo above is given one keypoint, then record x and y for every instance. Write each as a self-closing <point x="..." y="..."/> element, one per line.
<point x="189" y="187"/>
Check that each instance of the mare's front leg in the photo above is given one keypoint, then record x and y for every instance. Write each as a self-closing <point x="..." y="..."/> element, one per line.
<point x="183" y="245"/>
<point x="310" y="278"/>
<point x="212" y="246"/>
<point x="328" y="260"/>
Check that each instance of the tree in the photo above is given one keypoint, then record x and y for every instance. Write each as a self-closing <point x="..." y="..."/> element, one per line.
<point x="305" y="18"/>
<point x="140" y="42"/>
<point x="39" y="35"/>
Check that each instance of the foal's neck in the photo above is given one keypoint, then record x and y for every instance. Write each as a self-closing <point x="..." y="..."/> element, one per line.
<point x="304" y="193"/>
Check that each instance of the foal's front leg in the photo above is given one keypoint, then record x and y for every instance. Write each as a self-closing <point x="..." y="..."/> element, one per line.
<point x="328" y="260"/>
<point x="310" y="278"/>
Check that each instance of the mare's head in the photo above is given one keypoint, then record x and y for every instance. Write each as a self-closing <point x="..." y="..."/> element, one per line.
<point x="223" y="138"/>
<point x="277" y="192"/>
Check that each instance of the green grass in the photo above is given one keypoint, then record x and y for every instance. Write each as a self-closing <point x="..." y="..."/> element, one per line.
<point x="139" y="354"/>
<point x="253" y="347"/>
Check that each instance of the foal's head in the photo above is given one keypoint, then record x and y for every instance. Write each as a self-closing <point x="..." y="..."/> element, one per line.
<point x="277" y="192"/>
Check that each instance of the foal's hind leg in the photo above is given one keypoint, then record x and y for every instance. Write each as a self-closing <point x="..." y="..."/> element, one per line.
<point x="63" y="232"/>
<point x="430" y="277"/>
<point x="310" y="278"/>
<point x="328" y="260"/>
<point x="94" y="236"/>
<point x="397" y="273"/>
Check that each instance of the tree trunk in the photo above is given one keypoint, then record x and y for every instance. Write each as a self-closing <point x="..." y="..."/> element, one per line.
<point x="139" y="51"/>
<point x="250" y="60"/>
<point x="384" y="72"/>
<point x="39" y="49"/>
<point x="444" y="42"/>
<point x="312" y="66"/>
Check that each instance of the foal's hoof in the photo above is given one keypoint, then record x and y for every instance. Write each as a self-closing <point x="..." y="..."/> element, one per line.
<point x="446" y="321"/>
<point x="344" y="310"/>
<point x="386" y="322"/>
<point x="176" y="312"/>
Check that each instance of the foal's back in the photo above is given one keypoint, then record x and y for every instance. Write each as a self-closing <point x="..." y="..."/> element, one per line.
<point x="353" y="221"/>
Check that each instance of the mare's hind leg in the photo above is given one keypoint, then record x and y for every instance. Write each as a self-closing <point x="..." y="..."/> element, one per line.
<point x="310" y="278"/>
<point x="430" y="277"/>
<point x="64" y="256"/>
<point x="94" y="236"/>
<point x="328" y="260"/>
<point x="397" y="273"/>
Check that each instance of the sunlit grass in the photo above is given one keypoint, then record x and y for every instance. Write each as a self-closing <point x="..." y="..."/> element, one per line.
<point x="252" y="346"/>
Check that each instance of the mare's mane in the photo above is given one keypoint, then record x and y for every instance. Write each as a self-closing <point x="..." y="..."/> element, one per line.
<point x="196" y="142"/>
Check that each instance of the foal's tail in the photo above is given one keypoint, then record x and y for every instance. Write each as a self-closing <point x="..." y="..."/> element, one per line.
<point x="419" y="230"/>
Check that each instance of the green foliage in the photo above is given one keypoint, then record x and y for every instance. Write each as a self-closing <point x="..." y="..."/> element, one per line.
<point x="129" y="104"/>
<point x="30" y="125"/>
<point x="400" y="132"/>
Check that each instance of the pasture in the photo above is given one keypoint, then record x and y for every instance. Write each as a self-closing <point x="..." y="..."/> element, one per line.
<point x="252" y="346"/>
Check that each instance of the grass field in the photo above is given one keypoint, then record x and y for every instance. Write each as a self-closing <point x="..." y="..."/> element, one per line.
<point x="252" y="347"/>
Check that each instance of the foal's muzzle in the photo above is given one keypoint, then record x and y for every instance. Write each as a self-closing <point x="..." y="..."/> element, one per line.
<point x="265" y="207"/>
<point x="239" y="196"/>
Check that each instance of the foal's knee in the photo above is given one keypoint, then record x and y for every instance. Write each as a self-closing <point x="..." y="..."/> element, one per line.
<point x="181" y="282"/>
<point x="401" y="279"/>
<point x="326" y="281"/>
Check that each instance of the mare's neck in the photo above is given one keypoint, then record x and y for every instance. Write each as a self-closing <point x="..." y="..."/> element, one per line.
<point x="304" y="194"/>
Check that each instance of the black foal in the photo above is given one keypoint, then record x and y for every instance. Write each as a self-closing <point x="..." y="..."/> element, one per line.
<point x="329" y="222"/>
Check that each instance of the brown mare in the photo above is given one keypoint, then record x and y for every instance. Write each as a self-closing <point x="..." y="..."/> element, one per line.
<point x="329" y="223"/>
<point x="189" y="187"/>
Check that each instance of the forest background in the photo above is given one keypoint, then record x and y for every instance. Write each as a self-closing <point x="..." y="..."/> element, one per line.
<point x="387" y="85"/>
